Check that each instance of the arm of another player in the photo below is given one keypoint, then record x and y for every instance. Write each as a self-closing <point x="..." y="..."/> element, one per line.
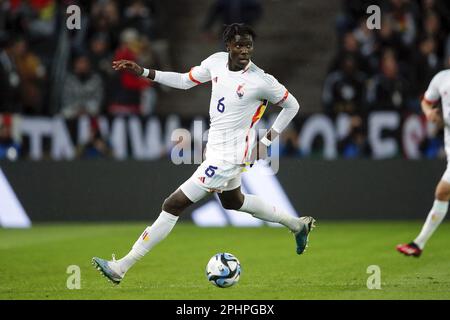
<point x="430" y="98"/>
<point x="431" y="113"/>
<point x="175" y="80"/>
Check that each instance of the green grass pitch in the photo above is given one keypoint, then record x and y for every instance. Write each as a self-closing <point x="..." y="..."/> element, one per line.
<point x="33" y="263"/>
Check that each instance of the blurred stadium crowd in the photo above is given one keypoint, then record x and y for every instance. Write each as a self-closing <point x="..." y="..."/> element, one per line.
<point x="47" y="70"/>
<point x="389" y="68"/>
<point x="34" y="36"/>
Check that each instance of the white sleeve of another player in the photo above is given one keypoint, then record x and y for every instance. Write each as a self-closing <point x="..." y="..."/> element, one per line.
<point x="277" y="94"/>
<point x="197" y="75"/>
<point x="432" y="94"/>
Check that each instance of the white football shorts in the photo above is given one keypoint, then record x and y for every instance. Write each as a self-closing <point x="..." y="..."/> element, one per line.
<point x="212" y="176"/>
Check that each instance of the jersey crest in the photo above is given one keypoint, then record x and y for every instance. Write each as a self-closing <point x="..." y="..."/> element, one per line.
<point x="240" y="90"/>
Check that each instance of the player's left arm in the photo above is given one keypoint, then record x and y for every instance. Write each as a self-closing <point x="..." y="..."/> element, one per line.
<point x="290" y="109"/>
<point x="277" y="94"/>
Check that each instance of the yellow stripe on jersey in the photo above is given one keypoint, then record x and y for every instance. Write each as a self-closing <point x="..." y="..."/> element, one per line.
<point x="259" y="112"/>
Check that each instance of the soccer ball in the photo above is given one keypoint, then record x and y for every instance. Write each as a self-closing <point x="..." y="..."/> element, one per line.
<point x="223" y="270"/>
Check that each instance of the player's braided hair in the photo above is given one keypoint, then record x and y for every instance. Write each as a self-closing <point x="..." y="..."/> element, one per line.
<point x="237" y="29"/>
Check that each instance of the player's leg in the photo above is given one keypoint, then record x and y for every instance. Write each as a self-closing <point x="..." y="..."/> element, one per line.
<point x="235" y="200"/>
<point x="172" y="207"/>
<point x="434" y="219"/>
<point x="436" y="214"/>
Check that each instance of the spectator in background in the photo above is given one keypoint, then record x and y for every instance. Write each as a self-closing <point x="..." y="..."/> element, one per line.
<point x="426" y="64"/>
<point x="9" y="76"/>
<point x="105" y="18"/>
<point x="388" y="38"/>
<point x="403" y="20"/>
<point x="350" y="47"/>
<point x="149" y="94"/>
<point x="128" y="88"/>
<point x="355" y="144"/>
<point x="146" y="16"/>
<point x="140" y="15"/>
<point x="432" y="28"/>
<point x="344" y="92"/>
<point x="365" y="38"/>
<point x="4" y="11"/>
<point x="343" y="89"/>
<point x="441" y="7"/>
<point x="32" y="73"/>
<point x="37" y="19"/>
<point x="388" y="90"/>
<point x="82" y="91"/>
<point x="9" y="149"/>
<point x="226" y="12"/>
<point x="100" y="54"/>
<point x="96" y="147"/>
<point x="289" y="145"/>
<point x="352" y="12"/>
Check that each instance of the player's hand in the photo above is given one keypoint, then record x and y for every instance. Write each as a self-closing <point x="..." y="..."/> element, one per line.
<point x="434" y="115"/>
<point x="128" y="65"/>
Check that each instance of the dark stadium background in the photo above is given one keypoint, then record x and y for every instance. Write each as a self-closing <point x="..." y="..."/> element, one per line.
<point x="373" y="155"/>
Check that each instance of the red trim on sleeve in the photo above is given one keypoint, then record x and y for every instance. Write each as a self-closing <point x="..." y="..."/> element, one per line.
<point x="192" y="78"/>
<point x="429" y="101"/>
<point x="286" y="94"/>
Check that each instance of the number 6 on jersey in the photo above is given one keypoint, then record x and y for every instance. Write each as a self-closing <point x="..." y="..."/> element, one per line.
<point x="220" y="105"/>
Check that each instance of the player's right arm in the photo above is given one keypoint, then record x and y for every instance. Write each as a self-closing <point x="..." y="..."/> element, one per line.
<point x="430" y="99"/>
<point x="195" y="76"/>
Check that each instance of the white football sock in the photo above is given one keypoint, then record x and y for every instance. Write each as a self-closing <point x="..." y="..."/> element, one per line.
<point x="261" y="210"/>
<point x="434" y="219"/>
<point x="149" y="238"/>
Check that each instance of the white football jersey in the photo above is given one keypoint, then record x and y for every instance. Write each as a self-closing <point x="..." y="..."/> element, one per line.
<point x="238" y="101"/>
<point x="439" y="89"/>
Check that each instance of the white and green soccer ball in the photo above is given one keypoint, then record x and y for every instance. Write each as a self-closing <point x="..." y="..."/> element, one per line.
<point x="223" y="270"/>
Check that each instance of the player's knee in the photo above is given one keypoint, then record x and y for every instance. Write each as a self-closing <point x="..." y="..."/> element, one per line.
<point x="232" y="204"/>
<point x="172" y="206"/>
<point x="442" y="194"/>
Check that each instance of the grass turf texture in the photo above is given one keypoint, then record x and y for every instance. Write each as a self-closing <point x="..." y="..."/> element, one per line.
<point x="33" y="262"/>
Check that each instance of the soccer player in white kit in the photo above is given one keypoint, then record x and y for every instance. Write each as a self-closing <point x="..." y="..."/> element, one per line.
<point x="240" y="93"/>
<point x="439" y="89"/>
